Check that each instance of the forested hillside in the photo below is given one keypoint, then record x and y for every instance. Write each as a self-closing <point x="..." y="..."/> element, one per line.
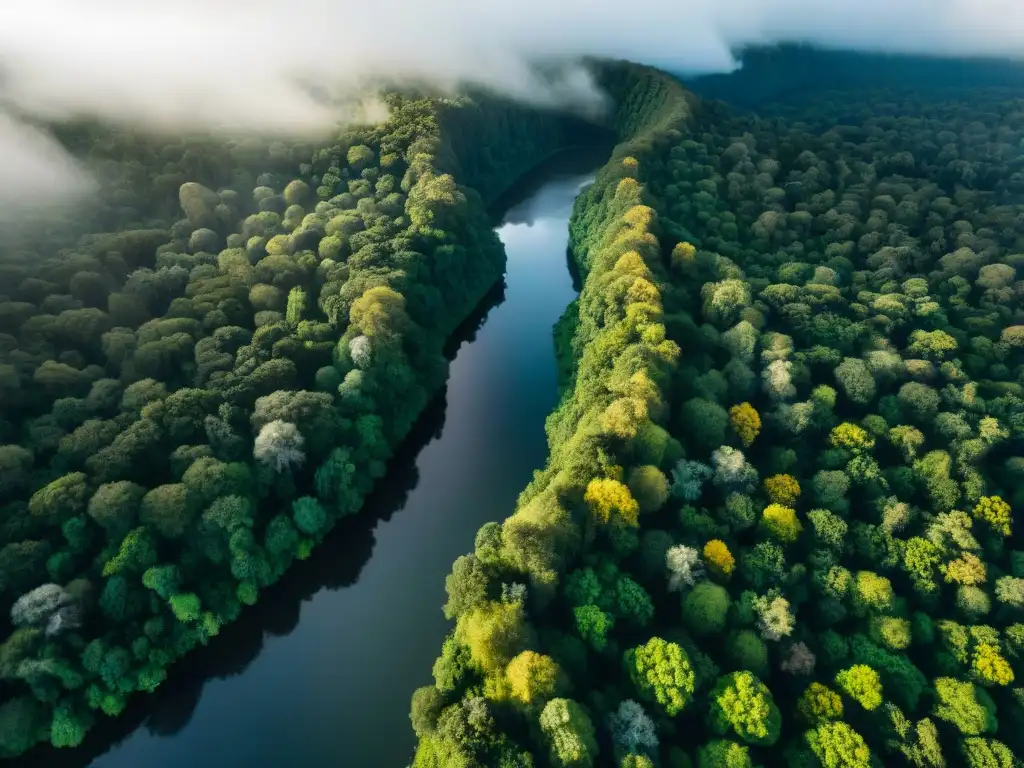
<point x="777" y="522"/>
<point x="776" y="525"/>
<point x="771" y="75"/>
<point x="190" y="398"/>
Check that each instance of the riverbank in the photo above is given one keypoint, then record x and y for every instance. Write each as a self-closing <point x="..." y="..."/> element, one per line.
<point x="320" y="670"/>
<point x="607" y="429"/>
<point x="254" y="410"/>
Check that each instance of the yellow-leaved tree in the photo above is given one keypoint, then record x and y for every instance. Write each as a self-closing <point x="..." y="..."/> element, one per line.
<point x="610" y="501"/>
<point x="746" y="423"/>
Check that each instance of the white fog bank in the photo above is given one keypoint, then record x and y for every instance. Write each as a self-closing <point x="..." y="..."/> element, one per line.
<point x="239" y="66"/>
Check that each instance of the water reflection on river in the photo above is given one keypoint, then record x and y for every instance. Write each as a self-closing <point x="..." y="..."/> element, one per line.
<point x="320" y="672"/>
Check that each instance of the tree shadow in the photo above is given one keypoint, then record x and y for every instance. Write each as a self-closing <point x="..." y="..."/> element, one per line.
<point x="335" y="564"/>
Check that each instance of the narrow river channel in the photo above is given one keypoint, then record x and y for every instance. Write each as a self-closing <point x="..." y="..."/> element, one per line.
<point x="320" y="671"/>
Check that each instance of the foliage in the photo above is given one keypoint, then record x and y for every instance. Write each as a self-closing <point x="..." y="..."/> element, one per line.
<point x="494" y="633"/>
<point x="746" y="423"/>
<point x="569" y="732"/>
<point x="819" y="703"/>
<point x="718" y="558"/>
<point x="533" y="677"/>
<point x="743" y="703"/>
<point x="684" y="567"/>
<point x="662" y="674"/>
<point x="994" y="511"/>
<point x="964" y="706"/>
<point x="210" y="365"/>
<point x="808" y="318"/>
<point x="722" y="753"/>
<point x="862" y="684"/>
<point x="705" y="608"/>
<point x="837" y="745"/>
<point x="611" y="501"/>
<point x="782" y="489"/>
<point x="781" y="523"/>
<point x="279" y="446"/>
<point x="632" y="730"/>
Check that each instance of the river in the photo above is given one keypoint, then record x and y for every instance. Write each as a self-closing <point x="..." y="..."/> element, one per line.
<point x="321" y="670"/>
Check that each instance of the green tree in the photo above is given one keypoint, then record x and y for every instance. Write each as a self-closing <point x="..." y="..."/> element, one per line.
<point x="649" y="487"/>
<point x="69" y="726"/>
<point x="466" y="586"/>
<point x="534" y="678"/>
<point x="169" y="509"/>
<point x="987" y="753"/>
<point x="705" y="423"/>
<point x="819" y="703"/>
<point x="136" y="553"/>
<point x="837" y="745"/>
<point x="855" y="379"/>
<point x="968" y="708"/>
<point x="569" y="733"/>
<point x="186" y="607"/>
<point x="494" y="633"/>
<point x="747" y="651"/>
<point x="705" y="608"/>
<point x="21" y="719"/>
<point x="862" y="684"/>
<point x="722" y="753"/>
<point x="310" y="516"/>
<point x="662" y="673"/>
<point x="593" y="625"/>
<point x="741" y="702"/>
<point x="162" y="579"/>
<point x="64" y="498"/>
<point x="427" y="703"/>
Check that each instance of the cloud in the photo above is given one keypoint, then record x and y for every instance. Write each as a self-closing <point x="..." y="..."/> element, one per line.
<point x="35" y="169"/>
<point x="238" y="66"/>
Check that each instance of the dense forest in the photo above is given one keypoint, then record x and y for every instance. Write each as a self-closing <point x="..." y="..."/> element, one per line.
<point x="776" y="526"/>
<point x="772" y="75"/>
<point x="194" y="391"/>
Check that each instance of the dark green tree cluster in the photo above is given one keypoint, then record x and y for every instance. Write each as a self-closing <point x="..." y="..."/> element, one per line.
<point x="777" y="521"/>
<point x="191" y="401"/>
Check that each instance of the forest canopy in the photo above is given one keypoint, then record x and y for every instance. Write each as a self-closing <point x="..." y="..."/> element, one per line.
<point x="777" y="522"/>
<point x="196" y="390"/>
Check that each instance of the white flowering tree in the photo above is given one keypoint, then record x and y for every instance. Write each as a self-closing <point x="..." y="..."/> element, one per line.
<point x="361" y="351"/>
<point x="49" y="606"/>
<point x="774" y="617"/>
<point x="279" y="446"/>
<point x="778" y="380"/>
<point x="684" y="567"/>
<point x="732" y="470"/>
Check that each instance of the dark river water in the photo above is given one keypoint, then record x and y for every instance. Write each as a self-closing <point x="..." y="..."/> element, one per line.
<point x="320" y="671"/>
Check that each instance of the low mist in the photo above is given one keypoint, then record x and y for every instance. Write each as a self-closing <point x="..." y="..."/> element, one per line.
<point x="224" y="65"/>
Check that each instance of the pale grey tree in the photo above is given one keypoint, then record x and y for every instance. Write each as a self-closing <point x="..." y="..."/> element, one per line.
<point x="774" y="617"/>
<point x="684" y="567"/>
<point x="799" y="660"/>
<point x="34" y="608"/>
<point x="732" y="470"/>
<point x="361" y="351"/>
<point x="633" y="731"/>
<point x="279" y="446"/>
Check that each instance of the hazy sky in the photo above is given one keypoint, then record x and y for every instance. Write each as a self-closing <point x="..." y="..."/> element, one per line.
<point x="234" y="63"/>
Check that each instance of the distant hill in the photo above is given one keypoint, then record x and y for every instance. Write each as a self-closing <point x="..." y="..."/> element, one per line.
<point x="789" y="72"/>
